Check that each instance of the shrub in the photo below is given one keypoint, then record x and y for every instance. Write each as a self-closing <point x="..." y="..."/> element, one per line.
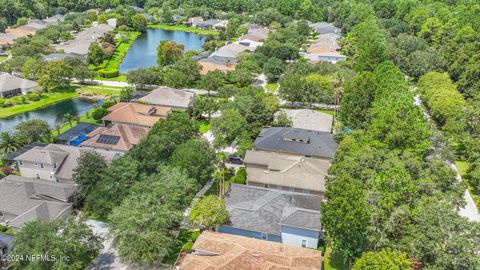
<point x="18" y="99"/>
<point x="108" y="73"/>
<point x="2" y="102"/>
<point x="99" y="113"/>
<point x="7" y="103"/>
<point x="108" y="104"/>
<point x="188" y="246"/>
<point x="33" y="96"/>
<point x="240" y="177"/>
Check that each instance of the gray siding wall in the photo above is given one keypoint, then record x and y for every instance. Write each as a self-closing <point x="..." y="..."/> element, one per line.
<point x="247" y="233"/>
<point x="294" y="236"/>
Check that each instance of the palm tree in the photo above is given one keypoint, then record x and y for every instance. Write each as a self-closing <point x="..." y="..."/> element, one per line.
<point x="8" y="143"/>
<point x="68" y="118"/>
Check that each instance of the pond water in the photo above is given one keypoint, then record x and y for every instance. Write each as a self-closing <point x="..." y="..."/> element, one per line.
<point x="53" y="113"/>
<point x="143" y="52"/>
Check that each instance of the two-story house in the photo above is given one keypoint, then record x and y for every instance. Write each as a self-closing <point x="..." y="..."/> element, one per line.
<point x="54" y="162"/>
<point x="290" y="159"/>
<point x="274" y="215"/>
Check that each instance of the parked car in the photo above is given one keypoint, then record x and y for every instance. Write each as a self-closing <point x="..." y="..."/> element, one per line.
<point x="235" y="160"/>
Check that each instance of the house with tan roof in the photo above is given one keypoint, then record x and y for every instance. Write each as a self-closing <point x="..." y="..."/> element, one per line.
<point x="193" y="21"/>
<point x="216" y="251"/>
<point x="274" y="215"/>
<point x="117" y="138"/>
<point x="11" y="85"/>
<point x="23" y="200"/>
<point x="7" y="39"/>
<point x="177" y="99"/>
<point x="309" y="119"/>
<point x="21" y="31"/>
<point x="54" y="162"/>
<point x="325" y="49"/>
<point x="286" y="172"/>
<point x="135" y="114"/>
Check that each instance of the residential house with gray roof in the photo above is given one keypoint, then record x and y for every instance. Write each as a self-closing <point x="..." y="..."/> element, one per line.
<point x="12" y="85"/>
<point x="273" y="215"/>
<point x="23" y="200"/>
<point x="325" y="28"/>
<point x="177" y="99"/>
<point x="54" y="162"/>
<point x="82" y="41"/>
<point x="54" y="57"/>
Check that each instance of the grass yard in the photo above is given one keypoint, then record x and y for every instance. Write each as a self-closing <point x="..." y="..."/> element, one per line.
<point x="205" y="126"/>
<point x="332" y="261"/>
<point x="184" y="28"/>
<point x="121" y="78"/>
<point x="462" y="167"/>
<point x="46" y="99"/>
<point x="100" y="90"/>
<point x="272" y="87"/>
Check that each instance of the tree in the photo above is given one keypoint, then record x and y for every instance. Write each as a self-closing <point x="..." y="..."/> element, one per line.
<point x="209" y="212"/>
<point x="126" y="94"/>
<point x="282" y="120"/>
<point x="88" y="173"/>
<point x="143" y="76"/>
<point x="213" y="81"/>
<point x="64" y="238"/>
<point x="139" y="22"/>
<point x="384" y="259"/>
<point x="155" y="207"/>
<point x="319" y="88"/>
<point x="273" y="69"/>
<point x="203" y="105"/>
<point x="358" y="95"/>
<point x="33" y="131"/>
<point x="53" y="76"/>
<point x="68" y="118"/>
<point x="473" y="174"/>
<point x="346" y="216"/>
<point x="291" y="87"/>
<point x="169" y="52"/>
<point x="95" y="55"/>
<point x="195" y="157"/>
<point x="99" y="113"/>
<point x="227" y="127"/>
<point x="8" y="143"/>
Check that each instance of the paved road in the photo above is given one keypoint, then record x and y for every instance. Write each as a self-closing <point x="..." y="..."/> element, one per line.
<point x="470" y="210"/>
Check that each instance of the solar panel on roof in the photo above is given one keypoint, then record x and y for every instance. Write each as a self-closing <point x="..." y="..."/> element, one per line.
<point x="108" y="139"/>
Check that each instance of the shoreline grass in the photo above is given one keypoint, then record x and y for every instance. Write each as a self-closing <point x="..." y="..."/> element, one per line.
<point x="184" y="28"/>
<point x="47" y="99"/>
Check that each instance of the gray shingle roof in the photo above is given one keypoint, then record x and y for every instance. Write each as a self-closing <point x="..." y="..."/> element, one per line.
<point x="11" y="156"/>
<point x="170" y="97"/>
<point x="6" y="241"/>
<point x="265" y="210"/>
<point x="9" y="82"/>
<point x="53" y="57"/>
<point x="297" y="141"/>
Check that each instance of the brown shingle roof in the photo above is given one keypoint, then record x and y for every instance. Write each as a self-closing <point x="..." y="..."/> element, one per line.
<point x="136" y="113"/>
<point x="210" y="66"/>
<point x="224" y="251"/>
<point x="128" y="137"/>
<point x="21" y="31"/>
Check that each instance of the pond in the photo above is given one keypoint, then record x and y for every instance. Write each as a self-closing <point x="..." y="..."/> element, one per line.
<point x="53" y="113"/>
<point x="143" y="52"/>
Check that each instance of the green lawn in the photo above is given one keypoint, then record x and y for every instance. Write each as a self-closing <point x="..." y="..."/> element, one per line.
<point x="272" y="87"/>
<point x="332" y="261"/>
<point x="3" y="58"/>
<point x="46" y="99"/>
<point x="100" y="90"/>
<point x="462" y="167"/>
<point x="326" y="111"/>
<point x="183" y="28"/>
<point x="121" y="78"/>
<point x="204" y="126"/>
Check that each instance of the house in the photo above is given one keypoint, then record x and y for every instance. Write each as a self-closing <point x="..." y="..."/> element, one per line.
<point x="208" y="24"/>
<point x="82" y="41"/>
<point x="117" y="138"/>
<point x="222" y="24"/>
<point x="309" y="119"/>
<point x="10" y="157"/>
<point x="176" y="18"/>
<point x="273" y="215"/>
<point x="54" y="162"/>
<point x="75" y="135"/>
<point x="164" y="96"/>
<point x="23" y="200"/>
<point x="261" y="32"/>
<point x="36" y="24"/>
<point x="332" y="57"/>
<point x="213" y="250"/>
<point x="53" y="20"/>
<point x="21" y="31"/>
<point x="325" y="43"/>
<point x="193" y="21"/>
<point x="135" y="114"/>
<point x="325" y="28"/>
<point x="7" y="39"/>
<point x="286" y="172"/>
<point x="112" y="22"/>
<point x="5" y="245"/>
<point x="12" y="85"/>
<point x="210" y="64"/>
<point x="296" y="141"/>
<point x="54" y="57"/>
<point x="229" y="52"/>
